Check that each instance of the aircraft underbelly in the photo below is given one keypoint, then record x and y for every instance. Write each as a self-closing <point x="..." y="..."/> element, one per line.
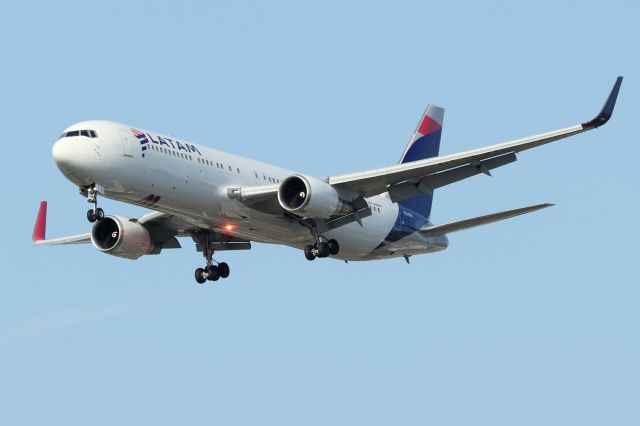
<point x="200" y="196"/>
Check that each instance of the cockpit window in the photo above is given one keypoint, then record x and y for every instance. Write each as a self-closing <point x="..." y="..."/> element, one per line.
<point x="86" y="133"/>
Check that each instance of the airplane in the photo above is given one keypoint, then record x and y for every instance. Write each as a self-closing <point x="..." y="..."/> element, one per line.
<point x="225" y="202"/>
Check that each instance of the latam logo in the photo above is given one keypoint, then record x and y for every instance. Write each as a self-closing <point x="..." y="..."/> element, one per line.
<point x="142" y="138"/>
<point x="145" y="138"/>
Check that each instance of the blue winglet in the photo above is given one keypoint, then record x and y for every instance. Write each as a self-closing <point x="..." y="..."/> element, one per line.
<point x="607" y="109"/>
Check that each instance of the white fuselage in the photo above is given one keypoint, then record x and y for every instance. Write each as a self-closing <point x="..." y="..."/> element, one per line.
<point x="173" y="176"/>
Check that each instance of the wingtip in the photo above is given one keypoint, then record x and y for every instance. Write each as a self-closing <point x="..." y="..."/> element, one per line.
<point x="540" y="206"/>
<point x="607" y="110"/>
<point x="40" y="228"/>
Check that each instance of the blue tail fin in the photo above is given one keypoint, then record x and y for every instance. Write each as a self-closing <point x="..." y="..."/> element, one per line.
<point x="424" y="143"/>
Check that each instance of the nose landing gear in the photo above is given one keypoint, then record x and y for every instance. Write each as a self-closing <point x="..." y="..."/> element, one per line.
<point x="95" y="213"/>
<point x="210" y="272"/>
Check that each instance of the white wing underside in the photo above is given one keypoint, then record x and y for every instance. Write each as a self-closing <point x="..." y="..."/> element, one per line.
<point x="163" y="228"/>
<point x="402" y="181"/>
<point x="72" y="239"/>
<point x="377" y="181"/>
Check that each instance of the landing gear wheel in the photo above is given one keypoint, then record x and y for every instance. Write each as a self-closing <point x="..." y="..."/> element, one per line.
<point x="200" y="276"/>
<point x="323" y="249"/>
<point x="213" y="274"/>
<point x="224" y="270"/>
<point x="91" y="215"/>
<point x="99" y="214"/>
<point x="308" y="252"/>
<point x="334" y="247"/>
<point x="205" y="241"/>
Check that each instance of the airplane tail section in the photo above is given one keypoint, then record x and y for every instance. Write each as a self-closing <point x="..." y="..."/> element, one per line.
<point x="478" y="221"/>
<point x="424" y="143"/>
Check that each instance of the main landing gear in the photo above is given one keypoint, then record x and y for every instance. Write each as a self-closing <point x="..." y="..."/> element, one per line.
<point x="95" y="213"/>
<point x="210" y="272"/>
<point x="321" y="249"/>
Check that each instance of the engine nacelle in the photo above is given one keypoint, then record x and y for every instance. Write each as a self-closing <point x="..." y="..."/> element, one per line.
<point x="312" y="197"/>
<point x="119" y="236"/>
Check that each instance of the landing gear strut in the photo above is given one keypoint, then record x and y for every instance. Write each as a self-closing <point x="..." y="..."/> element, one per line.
<point x="321" y="249"/>
<point x="210" y="272"/>
<point x="95" y="213"/>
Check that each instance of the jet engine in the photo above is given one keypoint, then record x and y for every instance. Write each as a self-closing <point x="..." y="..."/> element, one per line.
<point x="122" y="237"/>
<point x="311" y="197"/>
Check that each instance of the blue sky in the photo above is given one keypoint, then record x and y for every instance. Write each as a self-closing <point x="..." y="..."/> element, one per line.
<point x="530" y="321"/>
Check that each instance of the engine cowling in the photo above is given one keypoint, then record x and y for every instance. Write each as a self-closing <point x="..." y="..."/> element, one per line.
<point x="119" y="236"/>
<point x="312" y="197"/>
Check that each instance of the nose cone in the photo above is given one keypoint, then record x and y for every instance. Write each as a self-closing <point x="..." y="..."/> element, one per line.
<point x="74" y="159"/>
<point x="62" y="152"/>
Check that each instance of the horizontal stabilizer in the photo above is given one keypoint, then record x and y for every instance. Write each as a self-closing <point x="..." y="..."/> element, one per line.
<point x="480" y="220"/>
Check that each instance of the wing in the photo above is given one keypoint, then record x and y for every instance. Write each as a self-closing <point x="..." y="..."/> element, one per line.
<point x="40" y="228"/>
<point x="71" y="239"/>
<point x="163" y="229"/>
<point x="405" y="180"/>
<point x="418" y="177"/>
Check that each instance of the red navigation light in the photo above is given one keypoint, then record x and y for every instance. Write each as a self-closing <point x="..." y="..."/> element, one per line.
<point x="229" y="227"/>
